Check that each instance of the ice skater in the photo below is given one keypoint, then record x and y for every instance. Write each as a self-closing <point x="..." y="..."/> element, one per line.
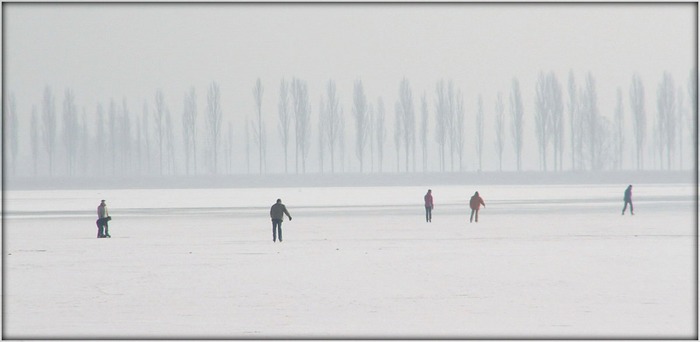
<point x="277" y="212"/>
<point x="628" y="200"/>
<point x="475" y="203"/>
<point x="428" y="206"/>
<point x="102" y="224"/>
<point x="102" y="220"/>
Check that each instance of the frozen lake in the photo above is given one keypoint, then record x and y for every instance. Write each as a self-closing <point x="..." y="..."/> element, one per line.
<point x="543" y="262"/>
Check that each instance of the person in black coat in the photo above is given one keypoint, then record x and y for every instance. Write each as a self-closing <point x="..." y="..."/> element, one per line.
<point x="277" y="212"/>
<point x="428" y="198"/>
<point x="102" y="227"/>
<point x="628" y="200"/>
<point x="102" y="219"/>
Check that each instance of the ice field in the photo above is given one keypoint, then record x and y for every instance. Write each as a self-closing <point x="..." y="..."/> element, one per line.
<point x="356" y="262"/>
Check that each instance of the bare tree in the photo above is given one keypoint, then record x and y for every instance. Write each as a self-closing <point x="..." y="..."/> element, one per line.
<point x="214" y="114"/>
<point x="186" y="133"/>
<point x="680" y="121"/>
<point x="333" y="121"/>
<point x="657" y="147"/>
<point x="139" y="145"/>
<point x="101" y="143"/>
<point x="442" y="120"/>
<point x="693" y="97"/>
<point x="380" y="132"/>
<point x="302" y="115"/>
<point x="146" y="136"/>
<point x="35" y="144"/>
<point x="341" y="140"/>
<point x="264" y="149"/>
<point x="639" y="115"/>
<point x="370" y="134"/>
<point x="297" y="87"/>
<point x="398" y="132"/>
<point x="480" y="130"/>
<point x="229" y="149"/>
<point x="258" y="91"/>
<point x="189" y="129"/>
<point x="409" y="129"/>
<point x="666" y="105"/>
<point x="248" y="127"/>
<point x="556" y="117"/>
<point x="542" y="121"/>
<point x="359" y="111"/>
<point x="424" y="131"/>
<point x="603" y="145"/>
<point x="125" y="137"/>
<point x="12" y="131"/>
<point x="573" y="119"/>
<point x="84" y="153"/>
<point x="499" y="126"/>
<point x="49" y="126"/>
<point x="170" y="143"/>
<point x="284" y="120"/>
<point x="458" y="128"/>
<point x="451" y="126"/>
<point x="322" y="136"/>
<point x="517" y="112"/>
<point x="589" y="111"/>
<point x="113" y="129"/>
<point x="160" y="127"/>
<point x="619" y="130"/>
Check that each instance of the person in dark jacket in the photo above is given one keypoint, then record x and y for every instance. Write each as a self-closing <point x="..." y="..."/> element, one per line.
<point x="475" y="203"/>
<point x="102" y="220"/>
<point x="277" y="212"/>
<point x="102" y="227"/>
<point x="428" y="206"/>
<point x="628" y="200"/>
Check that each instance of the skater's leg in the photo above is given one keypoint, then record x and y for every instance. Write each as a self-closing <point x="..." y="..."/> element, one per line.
<point x="624" y="208"/>
<point x="472" y="216"/>
<point x="476" y="216"/>
<point x="279" y="230"/>
<point x="631" y="208"/>
<point x="274" y="231"/>
<point x="106" y="234"/>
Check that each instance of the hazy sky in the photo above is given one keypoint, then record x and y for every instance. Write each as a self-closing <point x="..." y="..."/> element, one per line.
<point x="105" y="51"/>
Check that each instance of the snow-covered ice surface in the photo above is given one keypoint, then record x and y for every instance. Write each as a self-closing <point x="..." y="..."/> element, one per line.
<point x="543" y="262"/>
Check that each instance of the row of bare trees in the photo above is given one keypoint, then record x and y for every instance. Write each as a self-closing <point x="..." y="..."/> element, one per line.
<point x="595" y="141"/>
<point x="116" y="142"/>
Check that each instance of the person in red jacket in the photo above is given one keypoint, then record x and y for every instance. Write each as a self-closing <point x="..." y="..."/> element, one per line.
<point x="428" y="206"/>
<point x="475" y="203"/>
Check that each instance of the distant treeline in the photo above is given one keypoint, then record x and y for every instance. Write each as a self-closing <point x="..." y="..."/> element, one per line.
<point x="366" y="137"/>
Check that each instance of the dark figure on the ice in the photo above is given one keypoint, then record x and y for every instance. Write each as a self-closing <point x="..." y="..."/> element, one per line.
<point x="475" y="203"/>
<point x="628" y="200"/>
<point x="277" y="213"/>
<point x="102" y="227"/>
<point x="102" y="219"/>
<point x="428" y="206"/>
